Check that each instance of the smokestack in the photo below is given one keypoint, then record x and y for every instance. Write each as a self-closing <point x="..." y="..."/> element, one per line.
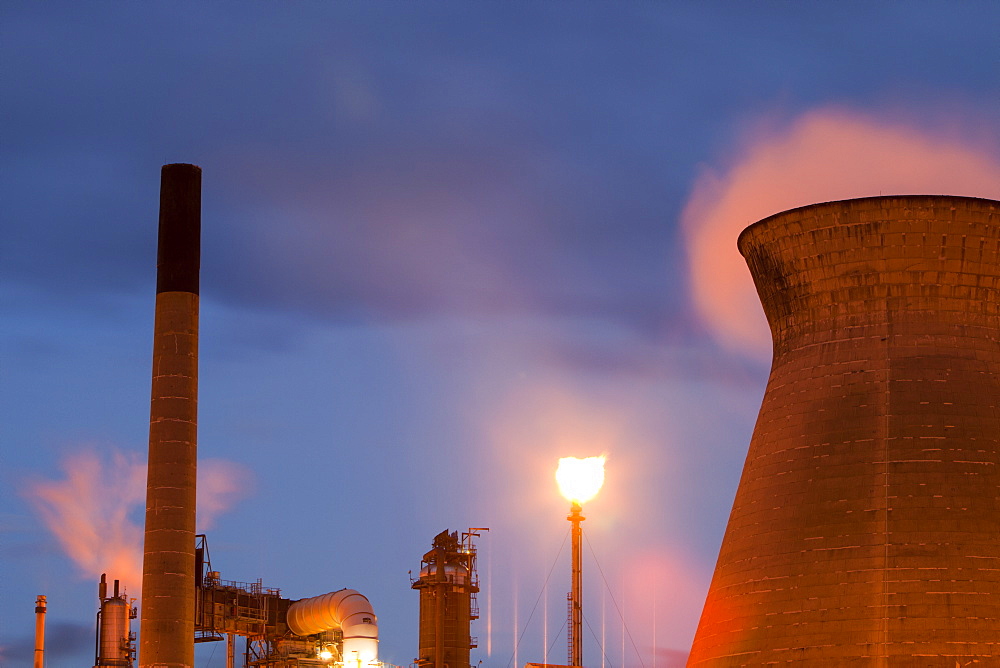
<point x="40" y="632"/>
<point x="864" y="529"/>
<point x="168" y="602"/>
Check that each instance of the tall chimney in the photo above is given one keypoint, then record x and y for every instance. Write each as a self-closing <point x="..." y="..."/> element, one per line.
<point x="166" y="631"/>
<point x="865" y="527"/>
<point x="40" y="607"/>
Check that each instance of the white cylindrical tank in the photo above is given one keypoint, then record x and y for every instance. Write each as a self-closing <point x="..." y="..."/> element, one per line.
<point x="347" y="610"/>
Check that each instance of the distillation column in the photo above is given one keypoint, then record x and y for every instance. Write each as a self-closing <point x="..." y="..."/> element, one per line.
<point x="864" y="529"/>
<point x="448" y="585"/>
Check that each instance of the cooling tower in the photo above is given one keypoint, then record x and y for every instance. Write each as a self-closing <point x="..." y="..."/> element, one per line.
<point x="166" y="630"/>
<point x="866" y="526"/>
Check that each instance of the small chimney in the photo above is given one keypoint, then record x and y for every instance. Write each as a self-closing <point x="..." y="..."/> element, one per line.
<point x="40" y="607"/>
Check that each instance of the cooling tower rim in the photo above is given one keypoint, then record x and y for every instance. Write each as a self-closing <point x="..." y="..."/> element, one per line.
<point x="858" y="200"/>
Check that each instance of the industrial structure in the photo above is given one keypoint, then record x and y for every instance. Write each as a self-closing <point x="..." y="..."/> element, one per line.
<point x="865" y="526"/>
<point x="335" y="629"/>
<point x="184" y="599"/>
<point x="579" y="481"/>
<point x="574" y="599"/>
<point x="40" y="607"/>
<point x="115" y="640"/>
<point x="448" y="584"/>
<point x="166" y="626"/>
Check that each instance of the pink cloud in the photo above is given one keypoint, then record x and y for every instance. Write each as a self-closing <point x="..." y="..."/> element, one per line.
<point x="221" y="485"/>
<point x="90" y="513"/>
<point x="95" y="510"/>
<point x="823" y="155"/>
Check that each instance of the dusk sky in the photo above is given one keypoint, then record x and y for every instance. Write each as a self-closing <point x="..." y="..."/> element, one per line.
<point x="444" y="245"/>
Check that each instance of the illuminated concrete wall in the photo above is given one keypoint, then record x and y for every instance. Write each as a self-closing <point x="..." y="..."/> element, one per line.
<point x="866" y="526"/>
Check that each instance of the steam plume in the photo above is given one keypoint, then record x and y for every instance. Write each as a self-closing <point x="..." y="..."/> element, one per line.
<point x="88" y="512"/>
<point x="221" y="485"/>
<point x="92" y="510"/>
<point x="824" y="155"/>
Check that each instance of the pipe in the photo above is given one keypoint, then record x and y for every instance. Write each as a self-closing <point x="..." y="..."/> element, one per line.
<point x="40" y="607"/>
<point x="168" y="593"/>
<point x="576" y="596"/>
<point x="347" y="610"/>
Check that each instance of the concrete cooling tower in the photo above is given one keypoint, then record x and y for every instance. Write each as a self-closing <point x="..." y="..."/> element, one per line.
<point x="866" y="526"/>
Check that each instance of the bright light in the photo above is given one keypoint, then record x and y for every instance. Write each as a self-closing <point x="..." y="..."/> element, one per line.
<point x="326" y="655"/>
<point x="580" y="479"/>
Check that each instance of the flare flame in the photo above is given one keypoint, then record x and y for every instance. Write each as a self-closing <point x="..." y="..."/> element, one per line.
<point x="580" y="479"/>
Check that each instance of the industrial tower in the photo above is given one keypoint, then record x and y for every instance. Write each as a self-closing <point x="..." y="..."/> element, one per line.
<point x="866" y="526"/>
<point x="448" y="585"/>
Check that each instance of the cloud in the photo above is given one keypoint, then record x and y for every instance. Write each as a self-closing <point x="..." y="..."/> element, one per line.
<point x="671" y="658"/>
<point x="823" y="155"/>
<point x="221" y="485"/>
<point x="95" y="510"/>
<point x="90" y="512"/>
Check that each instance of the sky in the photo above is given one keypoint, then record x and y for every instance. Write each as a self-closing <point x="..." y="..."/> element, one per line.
<point x="444" y="245"/>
